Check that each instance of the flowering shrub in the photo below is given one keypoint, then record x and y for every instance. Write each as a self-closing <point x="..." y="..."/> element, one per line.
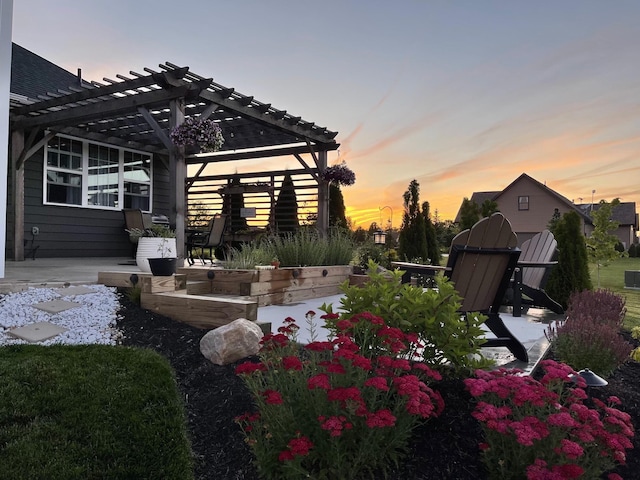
<point x="340" y="174"/>
<point x="543" y="430"/>
<point x="431" y="316"/>
<point x="205" y="134"/>
<point x="329" y="410"/>
<point x="590" y="336"/>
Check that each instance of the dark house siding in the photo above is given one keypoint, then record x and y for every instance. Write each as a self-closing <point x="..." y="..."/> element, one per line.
<point x="74" y="231"/>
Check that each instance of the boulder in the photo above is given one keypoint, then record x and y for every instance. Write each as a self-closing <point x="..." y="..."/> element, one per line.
<point x="232" y="342"/>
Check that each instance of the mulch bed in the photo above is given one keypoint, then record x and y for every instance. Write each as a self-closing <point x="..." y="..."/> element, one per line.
<point x="445" y="448"/>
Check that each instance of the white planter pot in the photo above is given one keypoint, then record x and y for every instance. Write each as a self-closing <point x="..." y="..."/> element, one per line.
<point x="153" y="247"/>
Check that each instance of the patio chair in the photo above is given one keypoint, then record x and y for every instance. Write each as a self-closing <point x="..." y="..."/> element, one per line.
<point x="481" y="263"/>
<point x="134" y="219"/>
<point x="538" y="257"/>
<point x="210" y="238"/>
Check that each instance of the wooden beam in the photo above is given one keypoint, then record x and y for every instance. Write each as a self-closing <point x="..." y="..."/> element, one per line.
<point x="160" y="133"/>
<point x="112" y="106"/>
<point x="224" y="156"/>
<point x="34" y="148"/>
<point x="17" y="146"/>
<point x="307" y="167"/>
<point x="103" y="91"/>
<point x="206" y="113"/>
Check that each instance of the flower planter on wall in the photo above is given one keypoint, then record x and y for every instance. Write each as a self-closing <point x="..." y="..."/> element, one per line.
<point x="152" y="247"/>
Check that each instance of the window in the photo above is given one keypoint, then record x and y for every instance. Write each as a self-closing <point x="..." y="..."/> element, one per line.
<point x="89" y="174"/>
<point x="523" y="202"/>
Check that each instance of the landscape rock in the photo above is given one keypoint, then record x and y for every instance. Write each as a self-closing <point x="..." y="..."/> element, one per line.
<point x="232" y="342"/>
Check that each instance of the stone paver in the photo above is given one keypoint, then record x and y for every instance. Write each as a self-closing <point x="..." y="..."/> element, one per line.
<point x="55" y="306"/>
<point x="37" y="332"/>
<point x="69" y="291"/>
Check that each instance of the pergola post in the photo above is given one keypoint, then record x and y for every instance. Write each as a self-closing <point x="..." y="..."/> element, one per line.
<point x="17" y="176"/>
<point x="323" y="196"/>
<point x="178" y="177"/>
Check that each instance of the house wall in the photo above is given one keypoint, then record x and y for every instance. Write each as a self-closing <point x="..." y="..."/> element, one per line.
<point x="74" y="231"/>
<point x="542" y="204"/>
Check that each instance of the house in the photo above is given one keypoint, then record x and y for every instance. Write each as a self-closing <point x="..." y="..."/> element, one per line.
<point x="529" y="205"/>
<point x="82" y="151"/>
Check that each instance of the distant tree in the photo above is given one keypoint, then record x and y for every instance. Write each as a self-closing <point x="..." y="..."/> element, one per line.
<point x="360" y="235"/>
<point x="286" y="208"/>
<point x="413" y="236"/>
<point x="433" y="250"/>
<point x="633" y="250"/>
<point x="571" y="274"/>
<point x="601" y="244"/>
<point x="445" y="230"/>
<point x="469" y="213"/>
<point x="553" y="222"/>
<point x="337" y="209"/>
<point x="488" y="208"/>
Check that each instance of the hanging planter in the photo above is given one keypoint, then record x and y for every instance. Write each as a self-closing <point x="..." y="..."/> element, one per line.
<point x="204" y="135"/>
<point x="339" y="174"/>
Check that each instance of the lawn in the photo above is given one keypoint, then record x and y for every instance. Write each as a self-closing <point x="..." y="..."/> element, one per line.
<point x="89" y="412"/>
<point x="612" y="278"/>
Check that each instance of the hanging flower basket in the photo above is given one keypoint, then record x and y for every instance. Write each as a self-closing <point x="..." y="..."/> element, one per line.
<point x="340" y="174"/>
<point x="203" y="134"/>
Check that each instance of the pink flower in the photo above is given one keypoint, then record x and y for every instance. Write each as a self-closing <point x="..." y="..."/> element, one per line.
<point x="571" y="449"/>
<point x="335" y="424"/>
<point x="380" y="419"/>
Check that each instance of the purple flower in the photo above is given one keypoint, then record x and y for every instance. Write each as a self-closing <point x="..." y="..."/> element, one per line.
<point x="340" y="174"/>
<point x="205" y="134"/>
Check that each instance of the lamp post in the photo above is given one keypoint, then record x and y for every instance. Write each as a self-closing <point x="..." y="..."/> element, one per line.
<point x="390" y="218"/>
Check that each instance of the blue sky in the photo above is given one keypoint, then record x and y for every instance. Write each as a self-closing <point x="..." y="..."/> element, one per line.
<point x="462" y="96"/>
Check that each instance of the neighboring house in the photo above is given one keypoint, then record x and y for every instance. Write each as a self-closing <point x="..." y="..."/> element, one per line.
<point x="529" y="205"/>
<point x="82" y="151"/>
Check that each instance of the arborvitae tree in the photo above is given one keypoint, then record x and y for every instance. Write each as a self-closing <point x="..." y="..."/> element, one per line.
<point x="601" y="244"/>
<point x="337" y="209"/>
<point x="488" y="208"/>
<point x="633" y="250"/>
<point x="469" y="214"/>
<point x="571" y="274"/>
<point x="286" y="208"/>
<point x="433" y="250"/>
<point x="233" y="205"/>
<point x="413" y="235"/>
<point x="553" y="222"/>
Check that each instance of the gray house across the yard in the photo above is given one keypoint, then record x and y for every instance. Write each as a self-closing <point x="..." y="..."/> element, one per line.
<point x="80" y="152"/>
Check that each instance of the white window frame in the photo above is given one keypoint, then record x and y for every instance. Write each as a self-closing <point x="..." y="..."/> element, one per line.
<point x="522" y="205"/>
<point x="84" y="172"/>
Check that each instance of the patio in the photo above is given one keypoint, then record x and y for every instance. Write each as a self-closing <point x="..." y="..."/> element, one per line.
<point x="60" y="272"/>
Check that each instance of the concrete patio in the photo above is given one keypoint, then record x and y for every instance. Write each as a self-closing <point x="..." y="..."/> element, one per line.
<point x="61" y="272"/>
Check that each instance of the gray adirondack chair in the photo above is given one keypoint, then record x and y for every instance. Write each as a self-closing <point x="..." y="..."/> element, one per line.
<point x="481" y="263"/>
<point x="537" y="259"/>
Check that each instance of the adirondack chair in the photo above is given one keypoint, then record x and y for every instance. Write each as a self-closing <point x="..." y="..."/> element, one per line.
<point x="537" y="259"/>
<point x="481" y="263"/>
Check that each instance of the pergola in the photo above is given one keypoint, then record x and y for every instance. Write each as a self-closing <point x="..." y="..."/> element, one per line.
<point x="138" y="111"/>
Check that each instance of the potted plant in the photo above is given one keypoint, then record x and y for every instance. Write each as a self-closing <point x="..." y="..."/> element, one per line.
<point x="156" y="243"/>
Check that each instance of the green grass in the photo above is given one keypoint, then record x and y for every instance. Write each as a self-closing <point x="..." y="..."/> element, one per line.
<point x="612" y="278"/>
<point x="90" y="412"/>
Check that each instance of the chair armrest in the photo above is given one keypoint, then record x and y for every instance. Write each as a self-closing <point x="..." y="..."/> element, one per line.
<point x="536" y="264"/>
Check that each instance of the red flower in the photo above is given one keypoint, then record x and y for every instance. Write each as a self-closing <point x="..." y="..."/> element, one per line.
<point x="291" y="363"/>
<point x="248" y="368"/>
<point x="344" y="325"/>
<point x="272" y="397"/>
<point x="285" y="456"/>
<point x="271" y="341"/>
<point x="380" y="419"/>
<point x="319" y="346"/>
<point x="377" y="382"/>
<point x="319" y="381"/>
<point x="300" y="446"/>
<point x="335" y="424"/>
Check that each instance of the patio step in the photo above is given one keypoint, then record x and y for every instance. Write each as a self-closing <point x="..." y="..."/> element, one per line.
<point x="202" y="311"/>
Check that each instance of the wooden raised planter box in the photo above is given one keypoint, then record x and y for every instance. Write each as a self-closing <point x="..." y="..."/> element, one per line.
<point x="271" y="287"/>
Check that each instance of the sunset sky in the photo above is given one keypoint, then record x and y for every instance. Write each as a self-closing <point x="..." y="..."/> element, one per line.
<point x="462" y="96"/>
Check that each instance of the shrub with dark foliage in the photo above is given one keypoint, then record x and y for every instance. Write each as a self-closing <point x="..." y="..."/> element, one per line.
<point x="589" y="337"/>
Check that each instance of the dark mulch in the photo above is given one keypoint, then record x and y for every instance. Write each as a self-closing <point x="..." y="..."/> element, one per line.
<point x="445" y="448"/>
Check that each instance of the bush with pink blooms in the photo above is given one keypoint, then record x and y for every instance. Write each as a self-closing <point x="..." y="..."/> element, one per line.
<point x="331" y="410"/>
<point x="545" y="430"/>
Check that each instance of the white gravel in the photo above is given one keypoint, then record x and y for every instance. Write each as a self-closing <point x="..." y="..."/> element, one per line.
<point x="93" y="322"/>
